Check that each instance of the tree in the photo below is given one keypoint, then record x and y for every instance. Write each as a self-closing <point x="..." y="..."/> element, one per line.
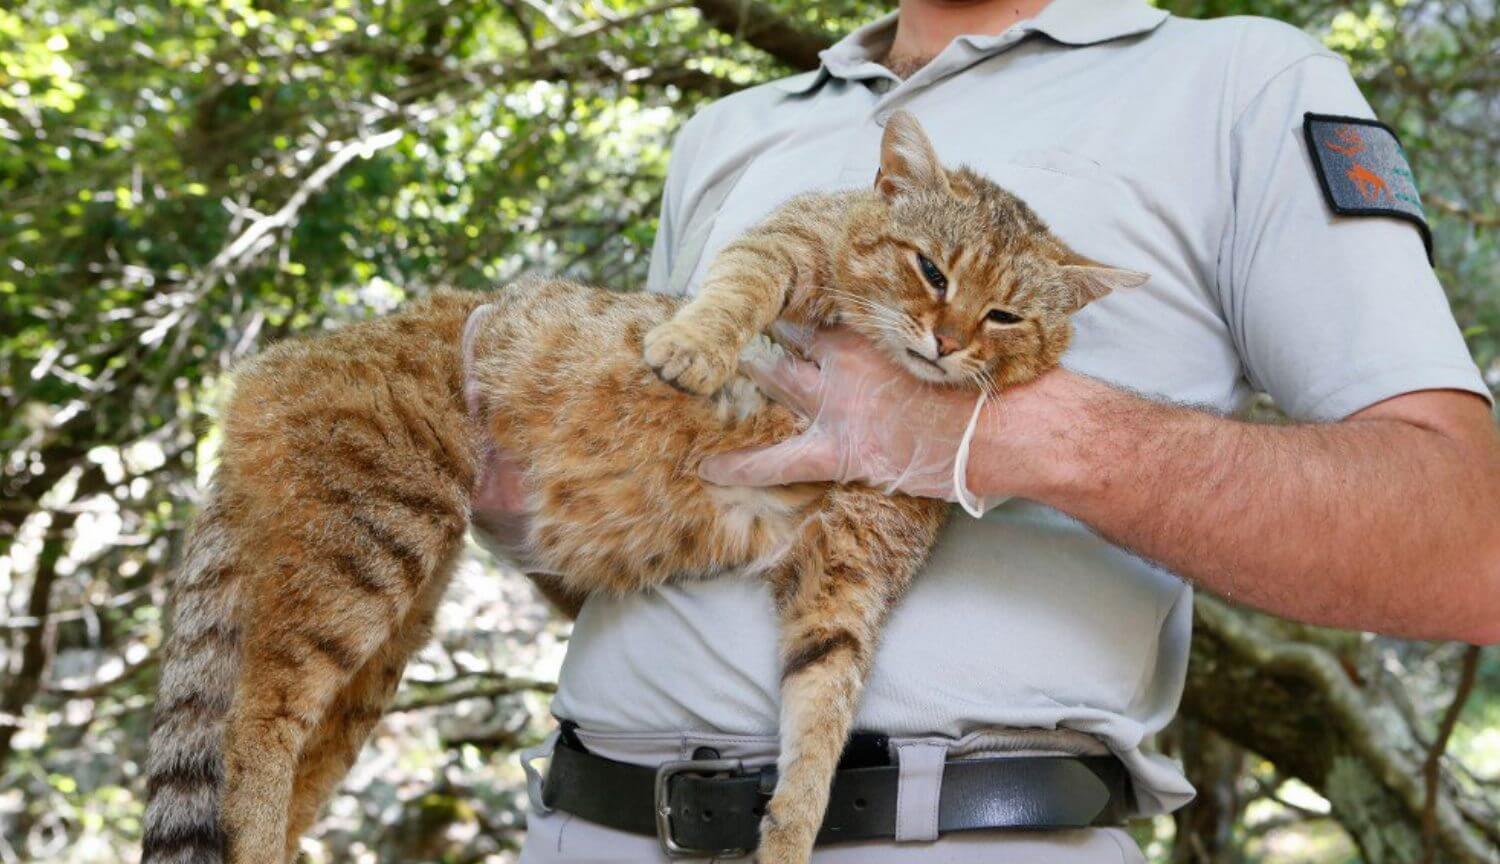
<point x="185" y="182"/>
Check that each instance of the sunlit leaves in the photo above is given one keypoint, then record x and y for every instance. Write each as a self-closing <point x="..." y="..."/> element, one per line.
<point x="140" y="138"/>
<point x="1361" y="34"/>
<point x="37" y="76"/>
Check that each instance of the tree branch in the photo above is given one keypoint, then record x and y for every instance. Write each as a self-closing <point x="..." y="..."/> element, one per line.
<point x="251" y="240"/>
<point x="478" y="685"/>
<point x="1312" y="721"/>
<point x="1459" y="211"/>
<point x="20" y="690"/>
<point x="1432" y="769"/>
<point x="95" y="689"/>
<point x="758" y="25"/>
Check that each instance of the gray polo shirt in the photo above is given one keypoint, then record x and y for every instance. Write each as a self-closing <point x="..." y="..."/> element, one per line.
<point x="1166" y="145"/>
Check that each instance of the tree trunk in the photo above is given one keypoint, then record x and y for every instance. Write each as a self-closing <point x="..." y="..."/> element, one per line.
<point x="20" y="689"/>
<point x="1295" y="704"/>
<point x="1205" y="831"/>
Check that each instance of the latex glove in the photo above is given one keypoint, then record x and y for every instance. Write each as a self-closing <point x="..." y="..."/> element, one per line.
<point x="499" y="516"/>
<point x="872" y="422"/>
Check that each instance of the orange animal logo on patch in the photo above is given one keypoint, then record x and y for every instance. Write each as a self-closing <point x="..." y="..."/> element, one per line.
<point x="1371" y="186"/>
<point x="1350" y="141"/>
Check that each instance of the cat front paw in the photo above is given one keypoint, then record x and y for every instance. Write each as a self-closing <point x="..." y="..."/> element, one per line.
<point x="688" y="359"/>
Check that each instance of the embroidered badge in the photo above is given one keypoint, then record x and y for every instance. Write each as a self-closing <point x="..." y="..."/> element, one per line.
<point x="1363" y="170"/>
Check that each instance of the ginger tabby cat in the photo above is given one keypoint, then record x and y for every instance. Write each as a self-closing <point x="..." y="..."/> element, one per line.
<point x="343" y="492"/>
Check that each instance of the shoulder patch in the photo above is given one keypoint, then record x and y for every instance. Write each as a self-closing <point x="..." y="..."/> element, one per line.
<point x="1363" y="170"/>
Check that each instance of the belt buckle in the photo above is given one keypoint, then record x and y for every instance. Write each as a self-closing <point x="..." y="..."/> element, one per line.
<point x="664" y="775"/>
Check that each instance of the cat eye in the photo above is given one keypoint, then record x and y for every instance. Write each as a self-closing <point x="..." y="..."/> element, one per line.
<point x="932" y="274"/>
<point x="1002" y="316"/>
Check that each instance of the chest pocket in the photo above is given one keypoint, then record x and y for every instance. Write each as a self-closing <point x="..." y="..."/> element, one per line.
<point x="1065" y="187"/>
<point x="1084" y="202"/>
<point x="1066" y="163"/>
<point x="1166" y="338"/>
<point x="698" y="226"/>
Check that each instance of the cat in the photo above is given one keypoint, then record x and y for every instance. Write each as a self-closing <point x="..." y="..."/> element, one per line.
<point x="342" y="496"/>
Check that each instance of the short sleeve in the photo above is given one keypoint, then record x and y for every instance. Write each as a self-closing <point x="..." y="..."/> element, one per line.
<point x="665" y="249"/>
<point x="1330" y="313"/>
<point x="660" y="269"/>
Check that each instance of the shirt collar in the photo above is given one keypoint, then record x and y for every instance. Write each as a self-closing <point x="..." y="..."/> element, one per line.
<point x="1070" y="22"/>
<point x="1087" y="22"/>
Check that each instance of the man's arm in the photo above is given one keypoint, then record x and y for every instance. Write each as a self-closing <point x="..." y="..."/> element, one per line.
<point x="1387" y="521"/>
<point x="1384" y="521"/>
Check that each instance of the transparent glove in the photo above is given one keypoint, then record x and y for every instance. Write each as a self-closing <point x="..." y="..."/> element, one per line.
<point x="872" y="422"/>
<point x="500" y="519"/>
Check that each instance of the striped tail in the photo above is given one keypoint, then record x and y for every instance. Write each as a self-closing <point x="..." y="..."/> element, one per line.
<point x="185" y="771"/>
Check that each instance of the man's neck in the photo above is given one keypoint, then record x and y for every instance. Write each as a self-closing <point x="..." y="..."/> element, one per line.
<point x="925" y="27"/>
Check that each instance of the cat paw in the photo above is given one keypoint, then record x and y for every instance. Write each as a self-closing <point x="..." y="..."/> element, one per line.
<point x="687" y="359"/>
<point x="783" y="844"/>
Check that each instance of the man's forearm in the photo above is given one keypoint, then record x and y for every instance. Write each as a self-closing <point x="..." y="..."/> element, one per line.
<point x="1374" y="523"/>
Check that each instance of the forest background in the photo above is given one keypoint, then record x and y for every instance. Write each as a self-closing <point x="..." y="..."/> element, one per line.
<point x="183" y="182"/>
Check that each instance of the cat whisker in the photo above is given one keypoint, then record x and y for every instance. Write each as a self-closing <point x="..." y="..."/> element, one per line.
<point x="984" y="379"/>
<point x="869" y="306"/>
<point x="877" y="324"/>
<point x="869" y="319"/>
<point x="856" y="299"/>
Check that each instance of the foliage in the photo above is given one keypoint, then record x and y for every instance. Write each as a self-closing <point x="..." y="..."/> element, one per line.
<point x="183" y="182"/>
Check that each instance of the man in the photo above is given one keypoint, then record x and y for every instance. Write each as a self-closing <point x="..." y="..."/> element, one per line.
<point x="1229" y="160"/>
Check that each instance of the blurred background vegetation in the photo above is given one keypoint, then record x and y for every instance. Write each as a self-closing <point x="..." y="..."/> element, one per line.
<point x="183" y="182"/>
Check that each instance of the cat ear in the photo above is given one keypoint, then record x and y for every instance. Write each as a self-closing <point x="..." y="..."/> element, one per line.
<point x="907" y="160"/>
<point x="1091" y="281"/>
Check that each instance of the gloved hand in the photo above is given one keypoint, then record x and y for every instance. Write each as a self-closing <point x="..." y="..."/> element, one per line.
<point x="499" y="517"/>
<point x="872" y="422"/>
<point x="500" y="522"/>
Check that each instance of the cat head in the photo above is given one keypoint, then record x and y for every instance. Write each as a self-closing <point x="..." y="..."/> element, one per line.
<point x="958" y="279"/>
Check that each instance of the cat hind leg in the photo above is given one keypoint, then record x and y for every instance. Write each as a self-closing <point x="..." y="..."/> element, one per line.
<point x="833" y="595"/>
<point x="353" y="714"/>
<point x="282" y="697"/>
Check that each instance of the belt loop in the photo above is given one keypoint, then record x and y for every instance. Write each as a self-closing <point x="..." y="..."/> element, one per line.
<point x="919" y="788"/>
<point x="533" y="776"/>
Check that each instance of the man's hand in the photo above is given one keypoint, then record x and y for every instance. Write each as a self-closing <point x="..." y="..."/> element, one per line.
<point x="871" y="422"/>
<point x="1384" y="521"/>
<point x="500" y="523"/>
<point x="500" y="519"/>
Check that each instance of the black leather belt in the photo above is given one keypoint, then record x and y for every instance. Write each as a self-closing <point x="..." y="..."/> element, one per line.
<point x="712" y="807"/>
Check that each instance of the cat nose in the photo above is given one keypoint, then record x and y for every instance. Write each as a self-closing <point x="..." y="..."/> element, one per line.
<point x="946" y="344"/>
